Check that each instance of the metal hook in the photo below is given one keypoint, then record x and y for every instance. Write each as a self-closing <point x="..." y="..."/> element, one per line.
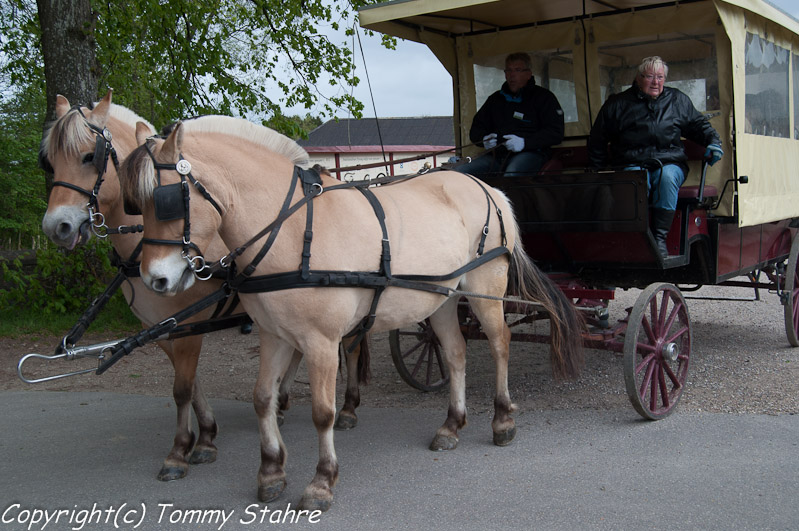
<point x="90" y="351"/>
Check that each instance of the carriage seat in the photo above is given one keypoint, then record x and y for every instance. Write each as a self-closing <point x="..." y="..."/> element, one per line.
<point x="692" y="192"/>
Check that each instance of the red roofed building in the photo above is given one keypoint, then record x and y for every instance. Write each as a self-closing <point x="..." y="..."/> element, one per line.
<point x="348" y="143"/>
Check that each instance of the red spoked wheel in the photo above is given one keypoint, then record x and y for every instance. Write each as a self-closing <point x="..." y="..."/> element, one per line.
<point x="657" y="350"/>
<point x="417" y="356"/>
<point x="790" y="292"/>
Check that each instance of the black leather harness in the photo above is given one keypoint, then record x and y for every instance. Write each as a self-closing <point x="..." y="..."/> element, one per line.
<point x="304" y="276"/>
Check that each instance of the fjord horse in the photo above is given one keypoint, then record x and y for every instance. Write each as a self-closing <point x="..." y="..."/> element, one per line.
<point x="87" y="192"/>
<point x="434" y="224"/>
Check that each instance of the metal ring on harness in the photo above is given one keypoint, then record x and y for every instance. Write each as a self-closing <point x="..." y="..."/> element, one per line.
<point x="98" y="223"/>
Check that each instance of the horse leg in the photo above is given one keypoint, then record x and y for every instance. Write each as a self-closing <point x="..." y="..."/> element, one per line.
<point x="453" y="346"/>
<point x="204" y="451"/>
<point x="492" y="321"/>
<point x="285" y="385"/>
<point x="346" y="418"/>
<point x="184" y="354"/>
<point x="275" y="359"/>
<point x="322" y="365"/>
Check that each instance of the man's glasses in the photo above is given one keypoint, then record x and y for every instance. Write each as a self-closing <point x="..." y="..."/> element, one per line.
<point x="516" y="70"/>
<point x="650" y="77"/>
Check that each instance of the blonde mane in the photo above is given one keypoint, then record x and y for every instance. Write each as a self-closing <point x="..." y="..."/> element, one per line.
<point x="258" y="134"/>
<point x="69" y="133"/>
<point x="137" y="172"/>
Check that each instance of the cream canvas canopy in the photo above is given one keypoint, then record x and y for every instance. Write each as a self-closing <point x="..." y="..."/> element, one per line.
<point x="738" y="60"/>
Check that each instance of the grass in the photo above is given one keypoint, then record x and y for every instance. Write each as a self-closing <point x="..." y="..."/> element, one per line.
<point x="115" y="318"/>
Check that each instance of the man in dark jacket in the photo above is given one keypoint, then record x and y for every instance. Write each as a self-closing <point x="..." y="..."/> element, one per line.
<point x="521" y="120"/>
<point x="641" y="127"/>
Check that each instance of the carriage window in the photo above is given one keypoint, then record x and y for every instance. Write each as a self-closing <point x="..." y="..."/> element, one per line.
<point x="766" y="88"/>
<point x="691" y="59"/>
<point x="552" y="69"/>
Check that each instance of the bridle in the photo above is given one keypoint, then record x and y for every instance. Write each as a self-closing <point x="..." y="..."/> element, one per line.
<point x="171" y="202"/>
<point x="103" y="149"/>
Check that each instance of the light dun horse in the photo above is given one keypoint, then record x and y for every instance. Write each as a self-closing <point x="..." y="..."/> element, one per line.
<point x="70" y="147"/>
<point x="435" y="225"/>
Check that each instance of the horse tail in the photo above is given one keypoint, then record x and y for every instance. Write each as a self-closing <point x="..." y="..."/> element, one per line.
<point x="364" y="361"/>
<point x="566" y="324"/>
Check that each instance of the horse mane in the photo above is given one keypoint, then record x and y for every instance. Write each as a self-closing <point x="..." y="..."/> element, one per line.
<point x="69" y="133"/>
<point x="247" y="130"/>
<point x="137" y="172"/>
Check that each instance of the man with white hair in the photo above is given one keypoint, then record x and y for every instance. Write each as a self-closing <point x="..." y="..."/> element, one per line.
<point x="641" y="128"/>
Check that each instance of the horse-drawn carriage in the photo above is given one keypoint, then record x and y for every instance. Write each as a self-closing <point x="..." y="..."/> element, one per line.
<point x="590" y="237"/>
<point x="737" y="60"/>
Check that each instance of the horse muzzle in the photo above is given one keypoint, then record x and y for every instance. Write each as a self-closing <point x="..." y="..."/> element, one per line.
<point x="168" y="276"/>
<point x="67" y="227"/>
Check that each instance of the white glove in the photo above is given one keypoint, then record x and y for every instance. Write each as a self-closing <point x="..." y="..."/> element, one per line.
<point x="490" y="141"/>
<point x="514" y="143"/>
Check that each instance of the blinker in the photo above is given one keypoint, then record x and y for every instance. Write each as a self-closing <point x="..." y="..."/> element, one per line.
<point x="99" y="158"/>
<point x="169" y="202"/>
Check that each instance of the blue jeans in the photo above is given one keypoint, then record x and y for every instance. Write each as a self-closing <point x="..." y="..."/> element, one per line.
<point x="663" y="185"/>
<point x="510" y="165"/>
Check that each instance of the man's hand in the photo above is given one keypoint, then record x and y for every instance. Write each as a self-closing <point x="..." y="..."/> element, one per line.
<point x="514" y="143"/>
<point x="490" y="141"/>
<point x="713" y="154"/>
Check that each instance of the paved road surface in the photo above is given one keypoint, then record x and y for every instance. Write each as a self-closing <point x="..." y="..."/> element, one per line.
<point x="566" y="470"/>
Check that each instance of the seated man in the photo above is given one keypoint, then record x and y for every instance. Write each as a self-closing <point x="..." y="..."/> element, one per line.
<point x="642" y="126"/>
<point x="518" y="123"/>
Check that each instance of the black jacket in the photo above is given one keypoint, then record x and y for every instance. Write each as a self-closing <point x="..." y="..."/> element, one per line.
<point x="639" y="128"/>
<point x="533" y="114"/>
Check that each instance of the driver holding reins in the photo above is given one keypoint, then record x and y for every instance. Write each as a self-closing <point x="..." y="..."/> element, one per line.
<point x="518" y="124"/>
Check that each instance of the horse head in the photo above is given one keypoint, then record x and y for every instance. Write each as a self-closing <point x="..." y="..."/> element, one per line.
<point x="180" y="217"/>
<point x="81" y="148"/>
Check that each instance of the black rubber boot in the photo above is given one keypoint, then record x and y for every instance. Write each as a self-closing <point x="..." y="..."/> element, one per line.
<point x="661" y="224"/>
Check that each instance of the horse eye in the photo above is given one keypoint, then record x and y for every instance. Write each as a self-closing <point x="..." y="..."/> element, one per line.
<point x="88" y="158"/>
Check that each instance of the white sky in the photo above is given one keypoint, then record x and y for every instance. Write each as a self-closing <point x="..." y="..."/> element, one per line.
<point x="409" y="81"/>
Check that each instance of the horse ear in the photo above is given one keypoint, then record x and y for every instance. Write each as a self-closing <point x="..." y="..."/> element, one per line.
<point x="61" y="106"/>
<point x="99" y="115"/>
<point x="142" y="133"/>
<point x="174" y="143"/>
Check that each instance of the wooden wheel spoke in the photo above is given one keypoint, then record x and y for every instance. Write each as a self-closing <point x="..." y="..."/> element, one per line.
<point x="677" y="334"/>
<point x="644" y="363"/>
<point x="648" y="330"/>
<point x="673" y="377"/>
<point x="647" y="380"/>
<point x="425" y="356"/>
<point x="664" y="392"/>
<point x="414" y="348"/>
<point x="675" y="312"/>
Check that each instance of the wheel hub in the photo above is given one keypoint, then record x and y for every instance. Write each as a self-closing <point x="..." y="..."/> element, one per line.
<point x="670" y="352"/>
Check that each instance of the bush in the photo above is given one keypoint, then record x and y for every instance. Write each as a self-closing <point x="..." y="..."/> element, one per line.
<point x="59" y="288"/>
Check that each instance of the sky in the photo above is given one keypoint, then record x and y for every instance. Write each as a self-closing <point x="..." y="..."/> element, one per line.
<point x="409" y="81"/>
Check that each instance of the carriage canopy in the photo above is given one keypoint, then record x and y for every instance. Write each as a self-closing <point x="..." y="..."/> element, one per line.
<point x="738" y="60"/>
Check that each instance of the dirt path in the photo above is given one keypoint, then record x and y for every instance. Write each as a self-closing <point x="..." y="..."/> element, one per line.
<point x="741" y="362"/>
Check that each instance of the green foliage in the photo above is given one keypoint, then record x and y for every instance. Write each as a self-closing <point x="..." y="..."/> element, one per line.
<point x="295" y="127"/>
<point x="22" y="203"/>
<point x="62" y="282"/>
<point x="234" y="57"/>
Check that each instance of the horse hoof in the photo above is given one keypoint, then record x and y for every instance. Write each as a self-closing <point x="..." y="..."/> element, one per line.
<point x="171" y="473"/>
<point x="444" y="442"/>
<point x="203" y="455"/>
<point x="504" y="438"/>
<point x="267" y="493"/>
<point x="345" y="422"/>
<point x="311" y="504"/>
